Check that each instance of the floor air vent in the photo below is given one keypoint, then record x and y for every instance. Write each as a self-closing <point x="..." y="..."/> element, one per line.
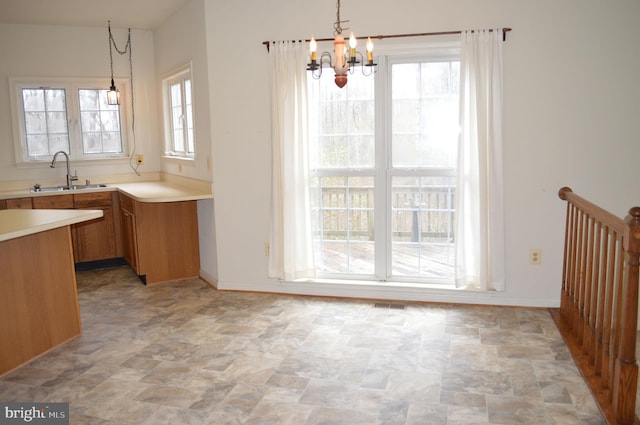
<point x="389" y="305"/>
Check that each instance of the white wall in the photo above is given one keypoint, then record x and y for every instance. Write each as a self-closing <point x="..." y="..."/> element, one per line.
<point x="56" y="51"/>
<point x="571" y="98"/>
<point x="178" y="41"/>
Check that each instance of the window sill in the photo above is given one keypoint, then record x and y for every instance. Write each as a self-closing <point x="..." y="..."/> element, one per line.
<point x="185" y="159"/>
<point x="84" y="161"/>
<point x="387" y="283"/>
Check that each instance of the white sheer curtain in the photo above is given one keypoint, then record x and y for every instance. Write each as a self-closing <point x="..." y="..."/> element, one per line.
<point x="480" y="220"/>
<point x="291" y="248"/>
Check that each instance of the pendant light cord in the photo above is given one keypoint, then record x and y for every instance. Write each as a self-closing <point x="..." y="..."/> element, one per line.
<point x="127" y="48"/>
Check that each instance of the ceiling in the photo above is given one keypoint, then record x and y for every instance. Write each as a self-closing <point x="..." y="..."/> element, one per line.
<point x="141" y="14"/>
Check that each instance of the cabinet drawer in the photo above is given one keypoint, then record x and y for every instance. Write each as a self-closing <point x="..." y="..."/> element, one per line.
<point x="127" y="203"/>
<point x="53" y="202"/>
<point x="19" y="203"/>
<point x="93" y="199"/>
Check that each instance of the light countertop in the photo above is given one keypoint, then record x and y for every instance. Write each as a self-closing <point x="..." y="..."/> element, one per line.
<point x="18" y="223"/>
<point x="150" y="191"/>
<point x="161" y="192"/>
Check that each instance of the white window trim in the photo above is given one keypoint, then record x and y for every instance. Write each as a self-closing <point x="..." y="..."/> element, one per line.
<point x="71" y="86"/>
<point x="383" y="172"/>
<point x="178" y="74"/>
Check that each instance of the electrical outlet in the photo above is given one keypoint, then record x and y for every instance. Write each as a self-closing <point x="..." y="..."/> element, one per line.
<point x="139" y="159"/>
<point x="535" y="257"/>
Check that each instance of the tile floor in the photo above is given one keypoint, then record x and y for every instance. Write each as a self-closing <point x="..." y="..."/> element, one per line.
<point x="183" y="353"/>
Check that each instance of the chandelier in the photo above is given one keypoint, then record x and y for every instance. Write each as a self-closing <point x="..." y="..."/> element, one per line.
<point x="344" y="60"/>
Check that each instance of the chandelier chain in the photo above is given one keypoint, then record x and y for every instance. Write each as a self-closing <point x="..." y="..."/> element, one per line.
<point x="337" y="26"/>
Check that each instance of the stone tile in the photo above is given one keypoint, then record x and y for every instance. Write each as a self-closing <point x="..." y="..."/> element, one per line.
<point x="414" y="387"/>
<point x="329" y="394"/>
<point x="168" y="396"/>
<point x="427" y="414"/>
<point x="273" y="412"/>
<point x="336" y="416"/>
<point x="393" y="412"/>
<point x="516" y="410"/>
<point x="476" y="381"/>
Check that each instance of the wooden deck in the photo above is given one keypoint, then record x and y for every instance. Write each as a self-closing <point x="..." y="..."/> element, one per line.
<point x="421" y="261"/>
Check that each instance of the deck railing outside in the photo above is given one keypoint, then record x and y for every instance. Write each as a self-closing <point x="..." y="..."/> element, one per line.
<point x="418" y="214"/>
<point x="422" y="230"/>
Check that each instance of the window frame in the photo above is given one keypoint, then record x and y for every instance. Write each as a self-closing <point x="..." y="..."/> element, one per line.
<point x="178" y="75"/>
<point x="74" y="130"/>
<point x="383" y="170"/>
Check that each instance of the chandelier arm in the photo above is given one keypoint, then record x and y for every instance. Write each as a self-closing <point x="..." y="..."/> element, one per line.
<point x="364" y="65"/>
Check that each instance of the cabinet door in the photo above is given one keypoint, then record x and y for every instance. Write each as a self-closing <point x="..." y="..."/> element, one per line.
<point x="96" y="239"/>
<point x="129" y="239"/>
<point x="167" y="240"/>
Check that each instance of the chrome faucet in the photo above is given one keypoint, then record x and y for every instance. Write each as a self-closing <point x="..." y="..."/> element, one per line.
<point x="70" y="177"/>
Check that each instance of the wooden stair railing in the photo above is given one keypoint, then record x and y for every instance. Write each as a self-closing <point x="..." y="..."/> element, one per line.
<point x="599" y="302"/>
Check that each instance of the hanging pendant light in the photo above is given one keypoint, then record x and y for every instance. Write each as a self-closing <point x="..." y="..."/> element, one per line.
<point x="113" y="94"/>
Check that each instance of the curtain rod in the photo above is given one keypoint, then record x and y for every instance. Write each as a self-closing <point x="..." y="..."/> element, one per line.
<point x="380" y="37"/>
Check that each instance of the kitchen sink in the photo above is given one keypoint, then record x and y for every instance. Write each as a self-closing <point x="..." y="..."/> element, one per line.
<point x="38" y="189"/>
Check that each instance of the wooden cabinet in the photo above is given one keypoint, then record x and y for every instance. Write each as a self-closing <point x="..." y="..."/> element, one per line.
<point x="96" y="239"/>
<point x="160" y="239"/>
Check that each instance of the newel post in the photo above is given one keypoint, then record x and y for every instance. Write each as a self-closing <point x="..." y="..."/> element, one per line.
<point x="626" y="369"/>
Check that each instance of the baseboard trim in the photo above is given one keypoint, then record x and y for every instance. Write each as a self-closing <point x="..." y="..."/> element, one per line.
<point x="209" y="279"/>
<point x="392" y="292"/>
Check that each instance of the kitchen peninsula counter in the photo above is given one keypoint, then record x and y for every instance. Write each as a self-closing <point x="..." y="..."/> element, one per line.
<point x="38" y="295"/>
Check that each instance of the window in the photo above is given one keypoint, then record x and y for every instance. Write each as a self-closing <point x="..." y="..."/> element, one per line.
<point x="45" y="121"/>
<point x="70" y="116"/>
<point x="383" y="194"/>
<point x="178" y="107"/>
<point x="100" y="123"/>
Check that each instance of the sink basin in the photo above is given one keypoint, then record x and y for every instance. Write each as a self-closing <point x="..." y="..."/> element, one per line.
<point x="87" y="186"/>
<point x="47" y="189"/>
<point x="38" y="189"/>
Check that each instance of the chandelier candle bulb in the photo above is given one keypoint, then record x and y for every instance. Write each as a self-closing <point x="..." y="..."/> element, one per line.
<point x="352" y="47"/>
<point x="369" y="50"/>
<point x="313" y="49"/>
